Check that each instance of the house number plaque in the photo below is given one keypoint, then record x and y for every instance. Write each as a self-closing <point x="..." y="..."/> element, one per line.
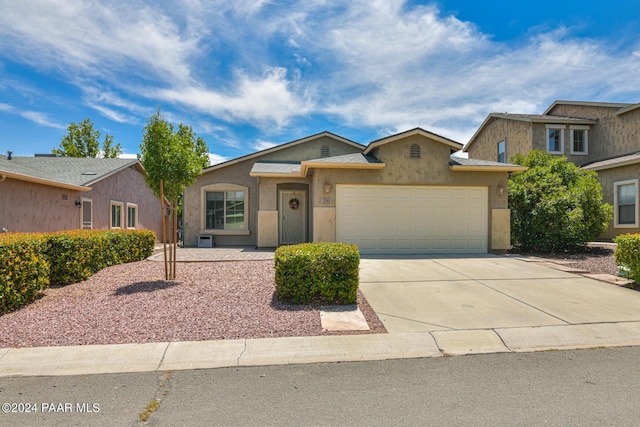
<point x="326" y="200"/>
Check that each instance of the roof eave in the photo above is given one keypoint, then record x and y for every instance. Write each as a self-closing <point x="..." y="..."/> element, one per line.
<point x="43" y="181"/>
<point x="612" y="165"/>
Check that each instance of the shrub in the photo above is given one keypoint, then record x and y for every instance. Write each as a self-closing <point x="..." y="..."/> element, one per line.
<point x="24" y="270"/>
<point x="76" y="255"/>
<point x="627" y="255"/>
<point x="30" y="262"/>
<point x="555" y="205"/>
<point x="317" y="272"/>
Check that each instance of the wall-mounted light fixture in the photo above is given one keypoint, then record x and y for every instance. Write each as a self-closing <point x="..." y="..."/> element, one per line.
<point x="500" y="189"/>
<point x="78" y="204"/>
<point x="327" y="186"/>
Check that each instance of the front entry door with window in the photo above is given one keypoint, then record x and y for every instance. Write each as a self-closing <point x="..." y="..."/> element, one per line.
<point x="293" y="217"/>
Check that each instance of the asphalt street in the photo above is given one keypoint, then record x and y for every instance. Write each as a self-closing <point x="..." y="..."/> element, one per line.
<point x="568" y="388"/>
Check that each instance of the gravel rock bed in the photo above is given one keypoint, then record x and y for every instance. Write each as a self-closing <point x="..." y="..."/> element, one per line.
<point x="132" y="303"/>
<point x="597" y="258"/>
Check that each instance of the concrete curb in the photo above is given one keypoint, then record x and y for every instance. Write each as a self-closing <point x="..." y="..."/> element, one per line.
<point x="119" y="358"/>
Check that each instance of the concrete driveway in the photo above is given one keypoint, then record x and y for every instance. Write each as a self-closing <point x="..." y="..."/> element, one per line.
<point x="450" y="293"/>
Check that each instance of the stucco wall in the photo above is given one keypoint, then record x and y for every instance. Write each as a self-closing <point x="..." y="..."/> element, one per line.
<point x="613" y="135"/>
<point x="517" y="134"/>
<point x="126" y="186"/>
<point x="29" y="207"/>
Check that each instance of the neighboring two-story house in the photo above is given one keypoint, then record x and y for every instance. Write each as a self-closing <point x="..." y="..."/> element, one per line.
<point x="599" y="136"/>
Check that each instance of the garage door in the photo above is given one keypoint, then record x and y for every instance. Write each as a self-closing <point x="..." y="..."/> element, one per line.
<point x="412" y="219"/>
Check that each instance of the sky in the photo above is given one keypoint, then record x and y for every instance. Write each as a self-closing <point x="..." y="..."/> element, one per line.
<point x="248" y="75"/>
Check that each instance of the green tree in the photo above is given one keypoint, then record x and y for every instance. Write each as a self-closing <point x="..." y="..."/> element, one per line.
<point x="84" y="141"/>
<point x="172" y="159"/>
<point x="555" y="205"/>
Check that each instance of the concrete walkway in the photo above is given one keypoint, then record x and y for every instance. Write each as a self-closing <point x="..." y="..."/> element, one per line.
<point x="436" y="306"/>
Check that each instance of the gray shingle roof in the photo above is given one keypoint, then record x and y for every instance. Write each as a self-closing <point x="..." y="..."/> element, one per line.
<point x="543" y="118"/>
<point x="64" y="170"/>
<point x="276" y="167"/>
<point x="459" y="161"/>
<point x="627" y="159"/>
<point x="356" y="158"/>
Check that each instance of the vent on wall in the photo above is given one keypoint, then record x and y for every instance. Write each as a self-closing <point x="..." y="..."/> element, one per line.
<point x="415" y="151"/>
<point x="324" y="151"/>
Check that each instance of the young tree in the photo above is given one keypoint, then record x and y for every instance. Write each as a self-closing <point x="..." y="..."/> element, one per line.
<point x="84" y="141"/>
<point x="555" y="205"/>
<point x="173" y="160"/>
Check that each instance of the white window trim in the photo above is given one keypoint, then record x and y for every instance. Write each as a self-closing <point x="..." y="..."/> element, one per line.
<point x="586" y="139"/>
<point x="132" y="205"/>
<point x="203" y="207"/>
<point x="615" y="204"/>
<point x="84" y="200"/>
<point x="111" y="205"/>
<point x="561" y="128"/>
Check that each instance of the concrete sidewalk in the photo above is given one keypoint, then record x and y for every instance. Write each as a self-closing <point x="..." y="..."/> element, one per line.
<point x="436" y="306"/>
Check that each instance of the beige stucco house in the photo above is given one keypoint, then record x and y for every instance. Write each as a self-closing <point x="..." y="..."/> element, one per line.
<point x="46" y="193"/>
<point x="403" y="193"/>
<point x="599" y="136"/>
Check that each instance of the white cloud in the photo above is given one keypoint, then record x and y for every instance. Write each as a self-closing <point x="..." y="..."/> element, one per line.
<point x="263" y="145"/>
<point x="267" y="99"/>
<point x="214" y="159"/>
<point x="41" y="119"/>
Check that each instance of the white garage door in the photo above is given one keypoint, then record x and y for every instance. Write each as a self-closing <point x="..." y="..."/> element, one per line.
<point x="412" y="219"/>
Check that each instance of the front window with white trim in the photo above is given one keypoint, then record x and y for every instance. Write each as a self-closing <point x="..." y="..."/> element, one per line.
<point x="225" y="209"/>
<point x="579" y="140"/>
<point x="132" y="216"/>
<point x="625" y="195"/>
<point x="555" y="139"/>
<point x="116" y="214"/>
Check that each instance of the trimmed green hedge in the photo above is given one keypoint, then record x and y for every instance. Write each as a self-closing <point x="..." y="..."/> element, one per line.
<point x="29" y="262"/>
<point x="627" y="255"/>
<point x="76" y="255"/>
<point x="24" y="269"/>
<point x="317" y="272"/>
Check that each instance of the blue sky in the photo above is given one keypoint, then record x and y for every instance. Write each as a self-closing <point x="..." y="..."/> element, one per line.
<point x="250" y="74"/>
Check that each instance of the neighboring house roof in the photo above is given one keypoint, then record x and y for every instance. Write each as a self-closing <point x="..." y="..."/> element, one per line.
<point x="300" y="169"/>
<point x="587" y="104"/>
<point x="627" y="109"/>
<point x="280" y="147"/>
<point x="615" y="162"/>
<point x="531" y="118"/>
<point x="65" y="172"/>
<point x="462" y="164"/>
<point x="416" y="131"/>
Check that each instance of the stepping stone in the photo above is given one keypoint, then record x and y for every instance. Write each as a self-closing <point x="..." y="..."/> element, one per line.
<point x="343" y="318"/>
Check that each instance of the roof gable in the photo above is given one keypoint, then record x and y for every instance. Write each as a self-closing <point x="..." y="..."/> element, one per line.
<point x="416" y="131"/>
<point x="286" y="145"/>
<point x="587" y="104"/>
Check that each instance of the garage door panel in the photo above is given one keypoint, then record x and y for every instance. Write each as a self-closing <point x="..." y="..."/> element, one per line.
<point x="412" y="218"/>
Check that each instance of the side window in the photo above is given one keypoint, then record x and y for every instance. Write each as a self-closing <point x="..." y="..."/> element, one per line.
<point x="501" y="152"/>
<point x="132" y="215"/>
<point x="555" y="139"/>
<point x="625" y="204"/>
<point x="579" y="140"/>
<point x="116" y="214"/>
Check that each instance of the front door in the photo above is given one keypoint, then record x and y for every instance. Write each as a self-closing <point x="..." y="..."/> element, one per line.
<point x="293" y="216"/>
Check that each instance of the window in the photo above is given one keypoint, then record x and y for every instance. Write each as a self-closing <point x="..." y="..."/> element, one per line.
<point x="116" y="214"/>
<point x="625" y="203"/>
<point x="415" y="151"/>
<point x="501" y="152"/>
<point x="225" y="209"/>
<point x="555" y="139"/>
<point x="87" y="214"/>
<point x="579" y="140"/>
<point x="132" y="215"/>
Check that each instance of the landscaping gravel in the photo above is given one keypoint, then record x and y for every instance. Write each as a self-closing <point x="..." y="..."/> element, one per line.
<point x="132" y="303"/>
<point x="597" y="258"/>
